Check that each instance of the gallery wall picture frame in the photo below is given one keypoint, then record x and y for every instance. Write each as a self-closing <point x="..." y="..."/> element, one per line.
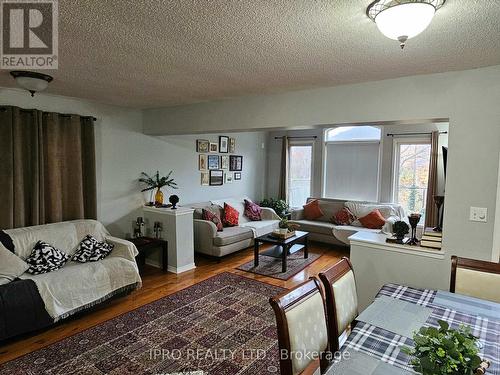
<point x="214" y="147"/>
<point x="232" y="145"/>
<point x="202" y="145"/>
<point x="213" y="161"/>
<point x="205" y="179"/>
<point x="228" y="178"/>
<point x="216" y="177"/>
<point x="223" y="144"/>
<point x="237" y="176"/>
<point x="235" y="162"/>
<point x="224" y="162"/>
<point x="202" y="162"/>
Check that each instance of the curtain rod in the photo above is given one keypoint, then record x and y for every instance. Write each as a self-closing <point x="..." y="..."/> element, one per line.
<point x="3" y="109"/>
<point x="304" y="137"/>
<point x="428" y="133"/>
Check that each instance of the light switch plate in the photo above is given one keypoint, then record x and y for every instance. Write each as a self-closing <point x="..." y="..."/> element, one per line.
<point x="478" y="214"/>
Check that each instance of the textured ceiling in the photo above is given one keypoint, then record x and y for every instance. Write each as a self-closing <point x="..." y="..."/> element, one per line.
<point x="143" y="54"/>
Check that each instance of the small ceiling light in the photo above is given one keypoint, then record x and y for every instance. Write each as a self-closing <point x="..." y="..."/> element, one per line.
<point x="31" y="81"/>
<point x="403" y="19"/>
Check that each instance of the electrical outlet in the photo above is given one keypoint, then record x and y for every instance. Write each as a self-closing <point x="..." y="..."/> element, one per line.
<point x="478" y="214"/>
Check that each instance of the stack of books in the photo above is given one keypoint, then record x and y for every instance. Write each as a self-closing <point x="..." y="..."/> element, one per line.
<point x="431" y="239"/>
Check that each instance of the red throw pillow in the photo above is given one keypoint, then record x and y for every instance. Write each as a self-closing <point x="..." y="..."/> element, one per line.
<point x="214" y="218"/>
<point x="312" y="210"/>
<point x="374" y="220"/>
<point x="252" y="211"/>
<point x="231" y="215"/>
<point x="343" y="217"/>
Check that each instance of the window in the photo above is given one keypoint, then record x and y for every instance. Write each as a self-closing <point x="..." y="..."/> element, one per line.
<point x="352" y="163"/>
<point x="300" y="173"/>
<point x="411" y="174"/>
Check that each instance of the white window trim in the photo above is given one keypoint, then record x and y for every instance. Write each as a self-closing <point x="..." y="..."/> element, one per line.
<point x="302" y="143"/>
<point x="396" y="142"/>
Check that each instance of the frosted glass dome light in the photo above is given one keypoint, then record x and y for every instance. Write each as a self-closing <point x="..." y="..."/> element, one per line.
<point x="403" y="20"/>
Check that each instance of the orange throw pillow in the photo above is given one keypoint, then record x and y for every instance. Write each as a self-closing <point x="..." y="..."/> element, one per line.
<point x="374" y="220"/>
<point x="312" y="211"/>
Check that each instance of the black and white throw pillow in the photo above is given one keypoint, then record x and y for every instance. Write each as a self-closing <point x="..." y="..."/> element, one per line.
<point x="45" y="258"/>
<point x="91" y="250"/>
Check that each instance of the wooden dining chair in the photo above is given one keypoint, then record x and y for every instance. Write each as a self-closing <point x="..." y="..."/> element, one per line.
<point x="475" y="278"/>
<point x="302" y="329"/>
<point x="341" y="299"/>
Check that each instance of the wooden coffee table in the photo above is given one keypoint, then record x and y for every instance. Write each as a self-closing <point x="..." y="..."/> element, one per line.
<point x="282" y="248"/>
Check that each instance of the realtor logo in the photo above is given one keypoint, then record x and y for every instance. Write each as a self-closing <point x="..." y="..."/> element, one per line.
<point x="29" y="34"/>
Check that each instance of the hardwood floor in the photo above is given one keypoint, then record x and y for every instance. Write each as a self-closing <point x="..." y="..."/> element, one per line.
<point x="157" y="284"/>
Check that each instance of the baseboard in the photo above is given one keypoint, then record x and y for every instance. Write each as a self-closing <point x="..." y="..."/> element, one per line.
<point x="185" y="268"/>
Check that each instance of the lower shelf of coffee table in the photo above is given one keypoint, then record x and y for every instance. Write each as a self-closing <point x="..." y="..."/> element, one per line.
<point x="277" y="250"/>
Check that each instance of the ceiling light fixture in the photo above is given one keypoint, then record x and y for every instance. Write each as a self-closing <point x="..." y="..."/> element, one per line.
<point x="31" y="81"/>
<point x="403" y="19"/>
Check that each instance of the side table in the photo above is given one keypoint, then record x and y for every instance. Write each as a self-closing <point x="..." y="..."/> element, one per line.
<point x="146" y="244"/>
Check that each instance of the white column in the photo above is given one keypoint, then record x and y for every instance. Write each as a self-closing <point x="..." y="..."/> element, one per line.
<point x="178" y="231"/>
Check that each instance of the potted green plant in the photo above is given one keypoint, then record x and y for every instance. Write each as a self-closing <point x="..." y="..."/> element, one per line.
<point x="440" y="351"/>
<point x="400" y="230"/>
<point x="278" y="205"/>
<point x="157" y="182"/>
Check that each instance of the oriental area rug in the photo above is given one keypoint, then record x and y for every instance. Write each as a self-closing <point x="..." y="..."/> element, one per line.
<point x="221" y="326"/>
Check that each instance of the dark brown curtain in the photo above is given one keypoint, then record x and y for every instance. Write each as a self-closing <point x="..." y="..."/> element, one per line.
<point x="47" y="167"/>
<point x="431" y="213"/>
<point x="283" y="188"/>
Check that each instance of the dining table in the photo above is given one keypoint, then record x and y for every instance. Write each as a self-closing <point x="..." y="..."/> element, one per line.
<point x="388" y="323"/>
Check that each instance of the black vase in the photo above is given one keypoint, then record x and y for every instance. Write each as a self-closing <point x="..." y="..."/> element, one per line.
<point x="173" y="199"/>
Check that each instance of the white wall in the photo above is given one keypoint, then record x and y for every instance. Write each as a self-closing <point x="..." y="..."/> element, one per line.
<point x="468" y="98"/>
<point x="123" y="151"/>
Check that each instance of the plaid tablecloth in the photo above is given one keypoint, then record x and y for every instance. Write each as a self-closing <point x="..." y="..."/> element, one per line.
<point x="385" y="345"/>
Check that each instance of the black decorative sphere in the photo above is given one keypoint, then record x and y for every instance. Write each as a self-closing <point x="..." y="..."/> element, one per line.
<point x="174" y="199"/>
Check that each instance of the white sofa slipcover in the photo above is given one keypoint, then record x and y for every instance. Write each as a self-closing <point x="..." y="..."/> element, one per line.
<point x="77" y="286"/>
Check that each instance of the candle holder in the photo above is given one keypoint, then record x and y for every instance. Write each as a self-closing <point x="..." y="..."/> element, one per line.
<point x="414" y="220"/>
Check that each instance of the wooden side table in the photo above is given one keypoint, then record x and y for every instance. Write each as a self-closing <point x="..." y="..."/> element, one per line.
<point x="146" y="244"/>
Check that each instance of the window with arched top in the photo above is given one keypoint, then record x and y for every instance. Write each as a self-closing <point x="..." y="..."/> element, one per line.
<point x="352" y="156"/>
<point x="353" y="134"/>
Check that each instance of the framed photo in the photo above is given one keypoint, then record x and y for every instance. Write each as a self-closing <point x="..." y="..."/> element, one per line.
<point x="202" y="162"/>
<point x="216" y="177"/>
<point x="223" y="144"/>
<point x="235" y="163"/>
<point x="213" y="161"/>
<point x="228" y="178"/>
<point x="232" y="145"/>
<point x="237" y="175"/>
<point x="224" y="162"/>
<point x="214" y="147"/>
<point x="205" y="180"/>
<point x="202" y="145"/>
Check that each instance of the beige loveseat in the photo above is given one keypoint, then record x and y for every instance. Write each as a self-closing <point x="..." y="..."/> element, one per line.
<point x="323" y="229"/>
<point x="218" y="244"/>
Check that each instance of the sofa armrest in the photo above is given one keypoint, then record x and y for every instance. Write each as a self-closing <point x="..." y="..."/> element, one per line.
<point x="268" y="213"/>
<point x="204" y="234"/>
<point x="298" y="214"/>
<point x="123" y="248"/>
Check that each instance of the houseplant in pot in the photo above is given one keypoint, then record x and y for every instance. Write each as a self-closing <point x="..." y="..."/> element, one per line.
<point x="278" y="205"/>
<point x="157" y="182"/>
<point x="440" y="351"/>
<point x="400" y="229"/>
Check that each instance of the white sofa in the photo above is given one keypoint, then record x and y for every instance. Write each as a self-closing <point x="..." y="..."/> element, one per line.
<point x="324" y="230"/>
<point x="77" y="286"/>
<point x="218" y="244"/>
